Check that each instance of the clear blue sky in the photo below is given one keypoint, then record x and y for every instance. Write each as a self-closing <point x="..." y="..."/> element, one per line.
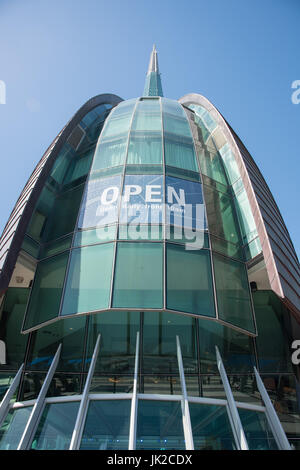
<point x="243" y="55"/>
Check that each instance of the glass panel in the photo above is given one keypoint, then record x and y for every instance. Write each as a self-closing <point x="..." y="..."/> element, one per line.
<point x="283" y="390"/>
<point x="230" y="164"/>
<point x="159" y="426"/>
<point x="111" y="150"/>
<point x="189" y="281"/>
<point x="47" y="289"/>
<point x="55" y="247"/>
<point x="138" y="275"/>
<point x="211" y="427"/>
<point x="178" y="142"/>
<point x="142" y="199"/>
<point x="161" y="384"/>
<point x="159" y="342"/>
<point x="13" y="427"/>
<point x="99" y="235"/>
<point x="44" y="343"/>
<point x="140" y="232"/>
<point x="6" y="379"/>
<point x="31" y="247"/>
<point x="112" y="383"/>
<point x="211" y="165"/>
<point x="62" y="217"/>
<point x="236" y="348"/>
<point x="89" y="279"/>
<point x="107" y="425"/>
<point x="145" y="148"/>
<point x="64" y="384"/>
<point x="12" y="342"/>
<point x="185" y="204"/>
<point x="257" y="430"/>
<point x="118" y="341"/>
<point x="145" y="144"/>
<point x="226" y="248"/>
<point x="253" y="249"/>
<point x="233" y="294"/>
<point x="144" y="169"/>
<point x="56" y="426"/>
<point x="246" y="220"/>
<point x="221" y="215"/>
<point x="110" y="153"/>
<point x="100" y="202"/>
<point x="61" y="385"/>
<point x="274" y="333"/>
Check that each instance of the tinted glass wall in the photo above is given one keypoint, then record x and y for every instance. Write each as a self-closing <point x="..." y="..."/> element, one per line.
<point x="139" y="239"/>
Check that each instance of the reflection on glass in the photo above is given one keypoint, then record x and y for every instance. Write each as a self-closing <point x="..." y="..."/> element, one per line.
<point x="46" y="293"/>
<point x="159" y="342"/>
<point x="55" y="426"/>
<point x="159" y="426"/>
<point x="257" y="430"/>
<point x="274" y="333"/>
<point x="11" y="319"/>
<point x="118" y="341"/>
<point x="138" y="275"/>
<point x="211" y="427"/>
<point x="233" y="294"/>
<point x="189" y="281"/>
<point x="89" y="277"/>
<point x="13" y="427"/>
<point x="236" y="348"/>
<point x="45" y="341"/>
<point x="107" y="425"/>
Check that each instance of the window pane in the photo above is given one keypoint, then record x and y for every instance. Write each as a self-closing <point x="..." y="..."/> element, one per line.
<point x="100" y="202"/>
<point x="56" y="426"/>
<point x="89" y="278"/>
<point x="47" y="289"/>
<point x="236" y="348"/>
<point x="221" y="215"/>
<point x="159" y="341"/>
<point x="233" y="294"/>
<point x="257" y="430"/>
<point x="99" y="235"/>
<point x="211" y="427"/>
<point x="145" y="148"/>
<point x="55" y="247"/>
<point x="107" y="425"/>
<point x="178" y="142"/>
<point x="13" y="427"/>
<point x="159" y="426"/>
<point x="63" y="214"/>
<point x="138" y="275"/>
<point x="211" y="164"/>
<point x="44" y="343"/>
<point x="189" y="281"/>
<point x="274" y="333"/>
<point x="13" y="343"/>
<point x="118" y="341"/>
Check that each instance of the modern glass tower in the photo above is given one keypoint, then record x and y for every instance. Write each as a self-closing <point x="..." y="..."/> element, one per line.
<point x="149" y="289"/>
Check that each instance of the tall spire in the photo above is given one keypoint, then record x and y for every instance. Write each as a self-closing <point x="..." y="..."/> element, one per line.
<point x="153" y="81"/>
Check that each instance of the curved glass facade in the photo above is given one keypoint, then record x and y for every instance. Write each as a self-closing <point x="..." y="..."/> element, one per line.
<point x="143" y="239"/>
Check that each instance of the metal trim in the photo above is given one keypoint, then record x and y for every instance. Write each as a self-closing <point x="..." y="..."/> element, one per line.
<point x="38" y="406"/>
<point x="81" y="415"/>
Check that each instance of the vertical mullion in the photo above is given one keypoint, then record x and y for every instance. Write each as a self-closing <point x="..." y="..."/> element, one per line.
<point x="81" y="415"/>
<point x="134" y="399"/>
<point x="186" y="419"/>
